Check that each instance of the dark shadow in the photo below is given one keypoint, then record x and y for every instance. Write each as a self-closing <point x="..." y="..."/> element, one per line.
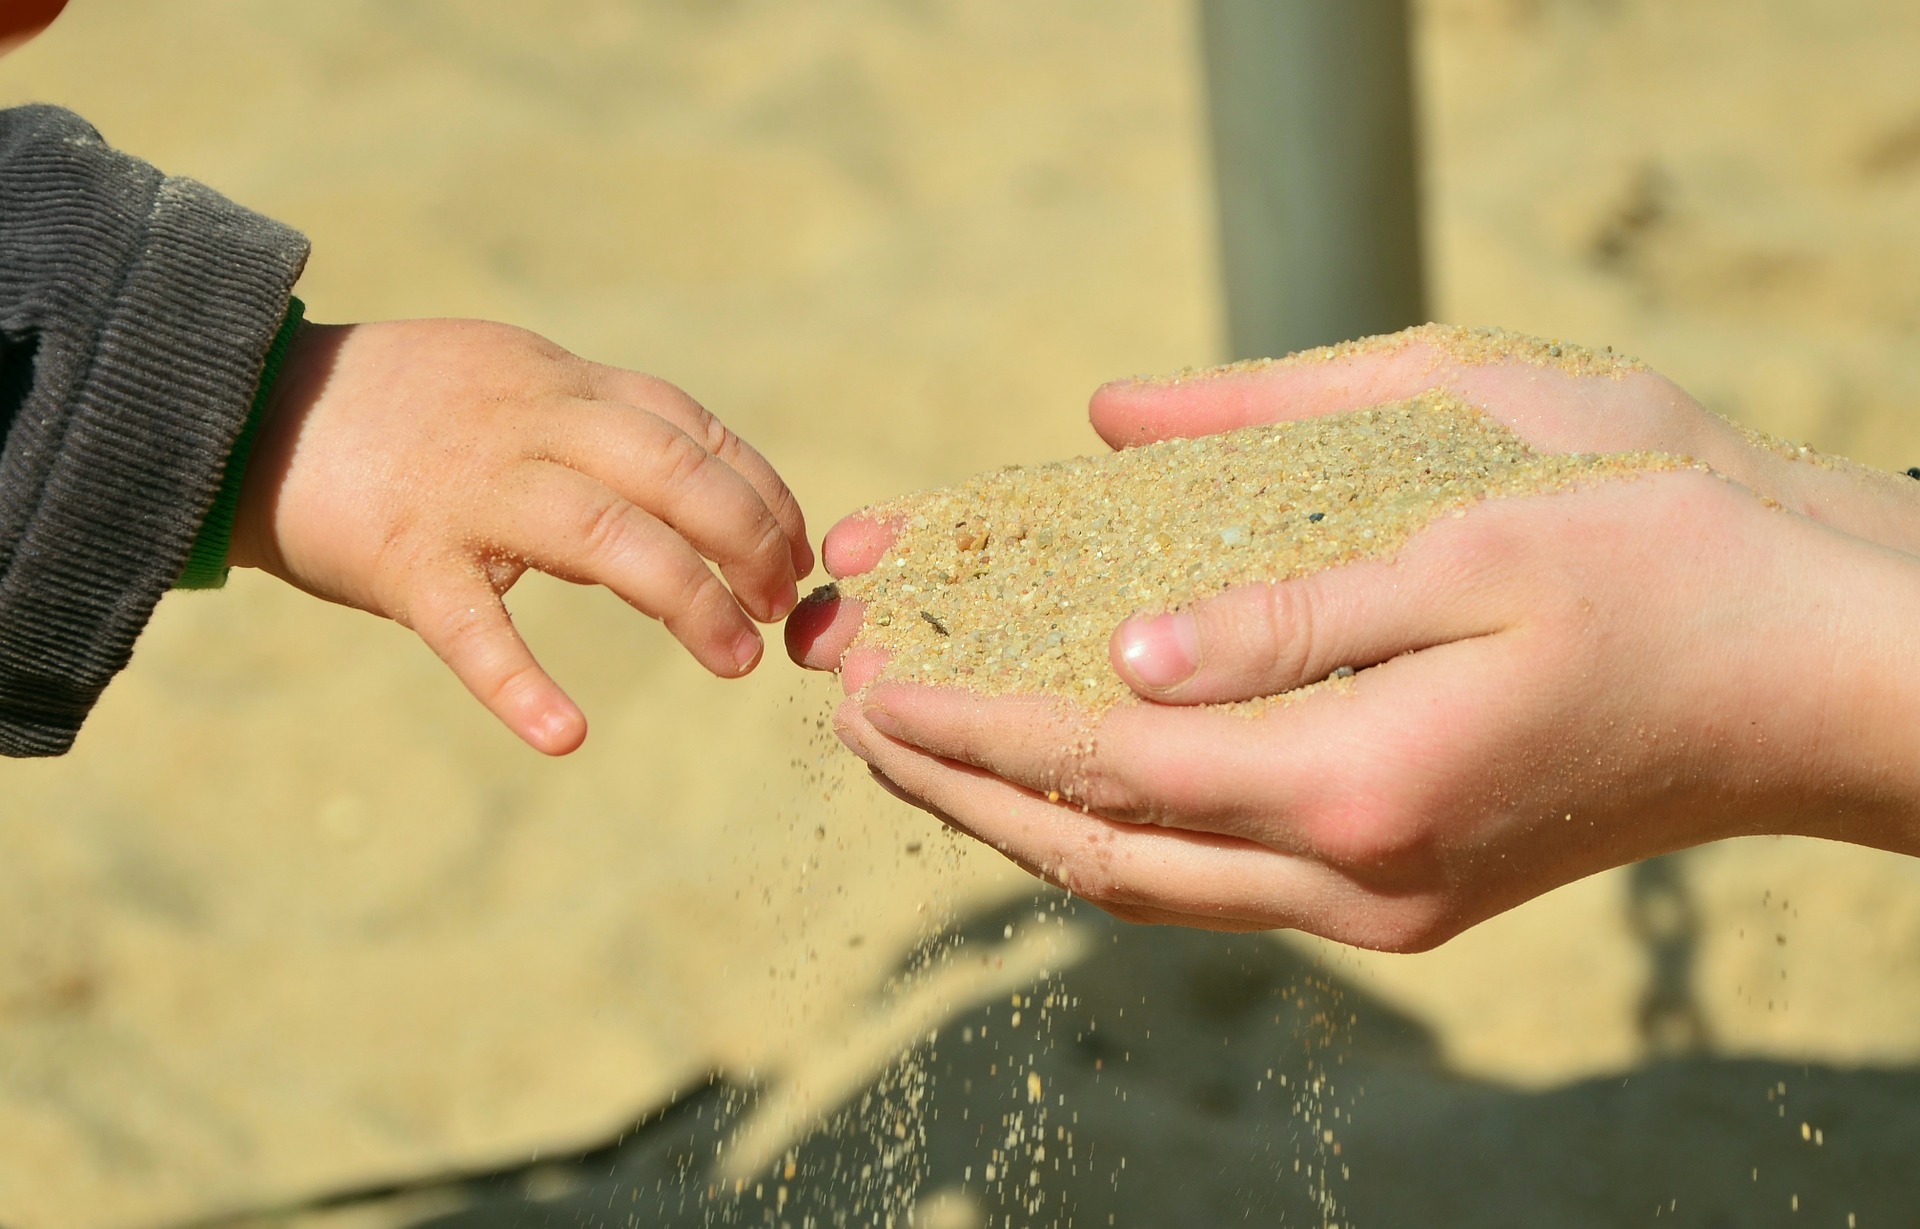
<point x="1176" y="1078"/>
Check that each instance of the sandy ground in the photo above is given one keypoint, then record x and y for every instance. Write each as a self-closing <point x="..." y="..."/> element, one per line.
<point x="296" y="921"/>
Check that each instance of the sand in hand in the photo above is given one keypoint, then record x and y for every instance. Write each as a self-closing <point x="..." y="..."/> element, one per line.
<point x="1013" y="581"/>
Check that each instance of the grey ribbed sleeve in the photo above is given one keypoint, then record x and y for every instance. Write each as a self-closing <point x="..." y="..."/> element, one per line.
<point x="135" y="315"/>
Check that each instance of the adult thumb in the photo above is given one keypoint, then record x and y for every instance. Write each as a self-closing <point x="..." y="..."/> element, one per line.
<point x="1264" y="639"/>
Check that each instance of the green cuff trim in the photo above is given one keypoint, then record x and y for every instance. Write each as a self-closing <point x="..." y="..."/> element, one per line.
<point x="207" y="561"/>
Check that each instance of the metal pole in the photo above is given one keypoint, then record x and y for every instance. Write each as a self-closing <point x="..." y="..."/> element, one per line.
<point x="1315" y="162"/>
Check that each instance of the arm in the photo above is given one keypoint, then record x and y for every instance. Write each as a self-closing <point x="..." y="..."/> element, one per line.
<point x="415" y="469"/>
<point x="136" y="312"/>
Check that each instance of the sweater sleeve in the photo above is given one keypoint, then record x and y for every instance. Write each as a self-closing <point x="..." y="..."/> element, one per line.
<point x="136" y="312"/>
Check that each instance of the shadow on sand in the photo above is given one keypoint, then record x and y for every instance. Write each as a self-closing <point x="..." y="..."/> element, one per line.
<point x="1174" y="1078"/>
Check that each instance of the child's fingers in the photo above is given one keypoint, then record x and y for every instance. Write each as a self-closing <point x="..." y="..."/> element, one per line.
<point x="657" y="466"/>
<point x="675" y="406"/>
<point x="470" y="630"/>
<point x="1140" y="411"/>
<point x="570" y="526"/>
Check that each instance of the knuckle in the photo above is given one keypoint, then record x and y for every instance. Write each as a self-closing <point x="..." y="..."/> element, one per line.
<point x="698" y="593"/>
<point x="720" y="441"/>
<point x="1286" y="629"/>
<point x="604" y="525"/>
<point x="682" y="459"/>
<point x="786" y="508"/>
<point x="471" y="640"/>
<point x="505" y="686"/>
<point x="770" y="546"/>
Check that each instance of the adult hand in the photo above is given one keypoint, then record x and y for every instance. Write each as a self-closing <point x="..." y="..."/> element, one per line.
<point x="417" y="469"/>
<point x="1548" y="686"/>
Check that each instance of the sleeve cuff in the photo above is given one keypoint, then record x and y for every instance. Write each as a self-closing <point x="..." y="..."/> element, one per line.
<point x="207" y="559"/>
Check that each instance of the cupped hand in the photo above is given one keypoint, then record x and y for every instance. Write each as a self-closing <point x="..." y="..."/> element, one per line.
<point x="1546" y="687"/>
<point x="1547" y="405"/>
<point x="416" y="469"/>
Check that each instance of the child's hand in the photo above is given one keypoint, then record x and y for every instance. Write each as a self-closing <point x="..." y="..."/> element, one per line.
<point x="417" y="468"/>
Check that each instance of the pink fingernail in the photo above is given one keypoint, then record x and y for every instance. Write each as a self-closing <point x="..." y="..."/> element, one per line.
<point x="1162" y="651"/>
<point x="746" y="651"/>
<point x="555" y="728"/>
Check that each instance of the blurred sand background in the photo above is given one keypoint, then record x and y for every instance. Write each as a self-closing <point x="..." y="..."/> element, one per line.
<point x="297" y="920"/>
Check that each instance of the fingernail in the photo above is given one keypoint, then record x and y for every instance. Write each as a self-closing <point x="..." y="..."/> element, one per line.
<point x="554" y="728"/>
<point x="1162" y="651"/>
<point x="746" y="651"/>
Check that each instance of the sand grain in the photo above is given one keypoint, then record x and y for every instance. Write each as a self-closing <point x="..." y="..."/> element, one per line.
<point x="1013" y="581"/>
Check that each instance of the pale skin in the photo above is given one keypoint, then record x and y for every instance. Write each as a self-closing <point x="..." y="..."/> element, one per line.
<point x="1548" y="686"/>
<point x="417" y="469"/>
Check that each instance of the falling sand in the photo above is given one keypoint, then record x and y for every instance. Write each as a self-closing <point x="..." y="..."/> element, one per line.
<point x="1013" y="581"/>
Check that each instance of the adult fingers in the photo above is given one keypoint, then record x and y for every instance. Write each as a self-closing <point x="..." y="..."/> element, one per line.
<point x="1140" y="411"/>
<point x="856" y="543"/>
<point x="468" y="627"/>
<point x="571" y="526"/>
<point x="1147" y="873"/>
<point x="678" y="477"/>
<point x="673" y="404"/>
<point x="1263" y="639"/>
<point x="1458" y="583"/>
<point x="822" y="627"/>
<point x="1552" y="409"/>
<point x="1352" y="776"/>
<point x="1190" y="769"/>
